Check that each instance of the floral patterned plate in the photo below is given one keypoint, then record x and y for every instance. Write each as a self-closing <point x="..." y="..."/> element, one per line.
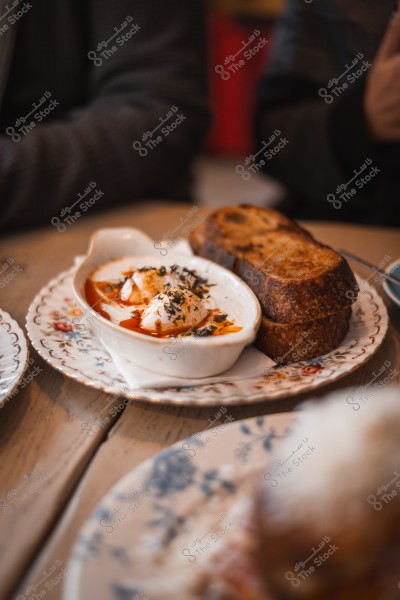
<point x="151" y="535"/>
<point x="73" y="350"/>
<point x="13" y="357"/>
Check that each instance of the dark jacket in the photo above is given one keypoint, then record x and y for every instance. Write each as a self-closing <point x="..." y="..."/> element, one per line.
<point x="100" y="97"/>
<point x="327" y="141"/>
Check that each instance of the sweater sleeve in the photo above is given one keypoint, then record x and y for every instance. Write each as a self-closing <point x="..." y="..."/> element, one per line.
<point x="150" y="78"/>
<point x="325" y="128"/>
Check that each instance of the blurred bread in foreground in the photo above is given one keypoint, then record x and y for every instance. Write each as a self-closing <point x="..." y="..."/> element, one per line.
<point x="328" y="518"/>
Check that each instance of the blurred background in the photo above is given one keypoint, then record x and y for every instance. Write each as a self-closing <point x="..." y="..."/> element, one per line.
<point x="231" y="23"/>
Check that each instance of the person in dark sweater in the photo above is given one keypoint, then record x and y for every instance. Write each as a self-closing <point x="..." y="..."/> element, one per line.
<point x="332" y="97"/>
<point x="111" y="95"/>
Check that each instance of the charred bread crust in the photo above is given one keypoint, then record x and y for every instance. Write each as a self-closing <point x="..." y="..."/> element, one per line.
<point x="245" y="219"/>
<point x="287" y="343"/>
<point x="312" y="282"/>
<point x="301" y="300"/>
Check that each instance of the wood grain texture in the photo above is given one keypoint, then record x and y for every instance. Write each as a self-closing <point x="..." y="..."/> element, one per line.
<point x="43" y="422"/>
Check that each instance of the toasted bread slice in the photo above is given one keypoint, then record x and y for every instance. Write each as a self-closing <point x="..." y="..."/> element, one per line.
<point x="295" y="278"/>
<point x="294" y="342"/>
<point x="235" y="221"/>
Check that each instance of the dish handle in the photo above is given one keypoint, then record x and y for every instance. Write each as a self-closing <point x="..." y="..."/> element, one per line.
<point x="119" y="241"/>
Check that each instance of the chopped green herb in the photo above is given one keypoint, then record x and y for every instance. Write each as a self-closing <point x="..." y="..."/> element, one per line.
<point x="204" y="331"/>
<point x="220" y="318"/>
<point x="143" y="269"/>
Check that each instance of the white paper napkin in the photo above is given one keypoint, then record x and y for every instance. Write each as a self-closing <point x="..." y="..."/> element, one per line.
<point x="251" y="363"/>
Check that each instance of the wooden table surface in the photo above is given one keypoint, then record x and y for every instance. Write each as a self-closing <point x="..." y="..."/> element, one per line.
<point x="42" y="423"/>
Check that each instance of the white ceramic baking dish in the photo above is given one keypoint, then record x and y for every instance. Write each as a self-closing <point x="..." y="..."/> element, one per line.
<point x="203" y="357"/>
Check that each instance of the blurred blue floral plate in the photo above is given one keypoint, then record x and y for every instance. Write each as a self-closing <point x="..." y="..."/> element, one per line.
<point x="14" y="357"/>
<point x="153" y="533"/>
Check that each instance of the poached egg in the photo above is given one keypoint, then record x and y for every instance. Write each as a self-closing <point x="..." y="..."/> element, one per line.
<point x="173" y="309"/>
